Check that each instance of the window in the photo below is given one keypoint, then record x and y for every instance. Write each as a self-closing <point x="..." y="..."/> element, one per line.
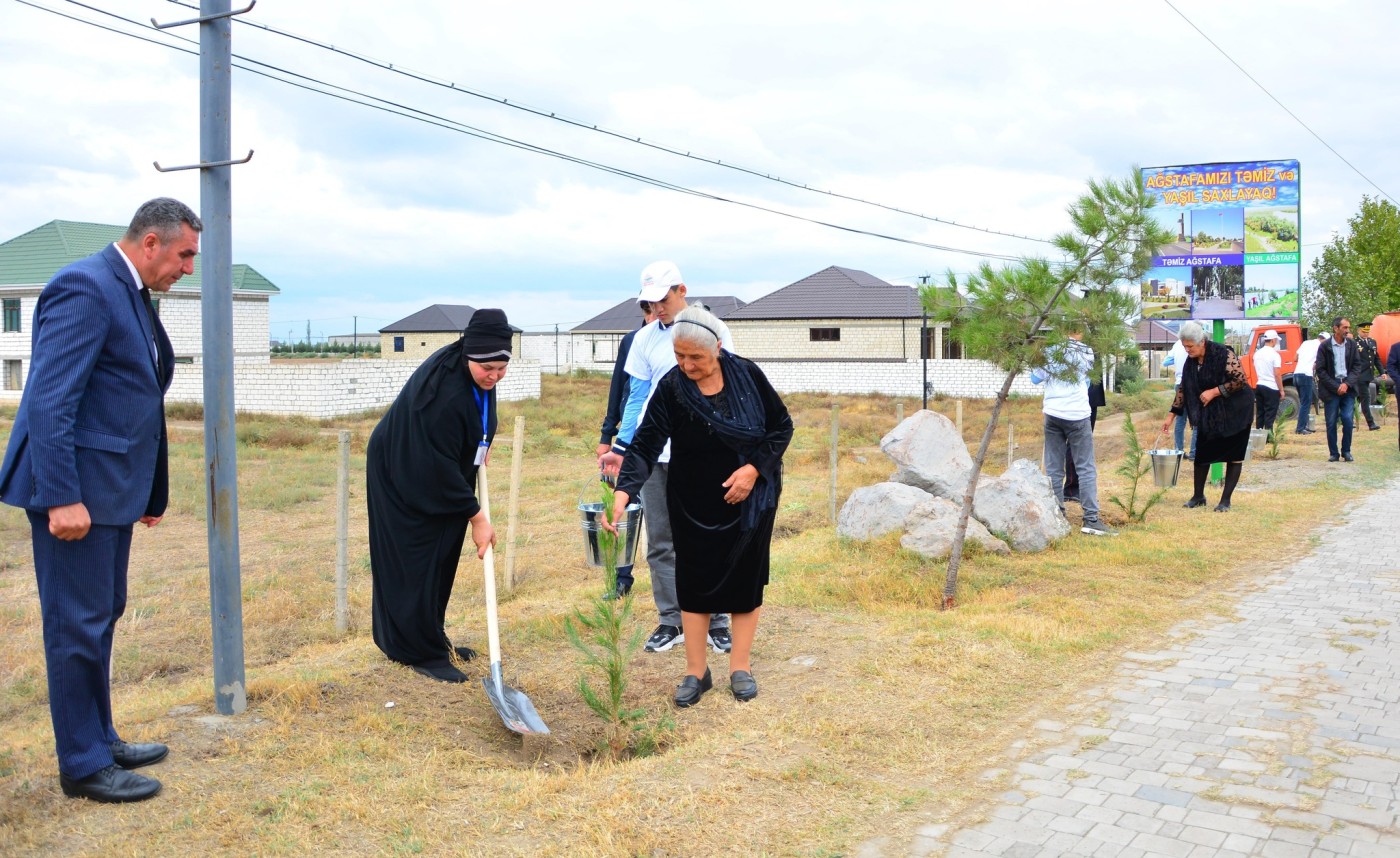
<point x="825" y="335"/>
<point x="13" y="369"/>
<point x="12" y="317"/>
<point x="155" y="305"/>
<point x="605" y="351"/>
<point x="952" y="349"/>
<point x="398" y="344"/>
<point x="926" y="344"/>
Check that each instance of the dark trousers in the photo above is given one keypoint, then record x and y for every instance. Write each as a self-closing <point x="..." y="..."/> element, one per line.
<point x="1304" y="384"/>
<point x="1340" y="408"/>
<point x="1266" y="402"/>
<point x="82" y="594"/>
<point x="1364" y="399"/>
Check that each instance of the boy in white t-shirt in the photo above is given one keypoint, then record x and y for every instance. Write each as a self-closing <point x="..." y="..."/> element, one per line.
<point x="1268" y="388"/>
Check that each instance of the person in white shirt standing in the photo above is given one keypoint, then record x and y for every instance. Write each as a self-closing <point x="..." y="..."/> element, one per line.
<point x="652" y="355"/>
<point x="1067" y="425"/>
<point x="1268" y="389"/>
<point x="1176" y="359"/>
<point x="1303" y="382"/>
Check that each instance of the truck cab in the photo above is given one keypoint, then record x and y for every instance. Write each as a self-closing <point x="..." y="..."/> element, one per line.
<point x="1290" y="337"/>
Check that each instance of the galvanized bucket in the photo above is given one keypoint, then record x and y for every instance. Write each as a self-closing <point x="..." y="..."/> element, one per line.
<point x="1378" y="412"/>
<point x="1166" y="465"/>
<point x="628" y="530"/>
<point x="1257" y="439"/>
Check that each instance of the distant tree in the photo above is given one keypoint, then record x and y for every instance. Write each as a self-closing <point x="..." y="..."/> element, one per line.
<point x="1017" y="315"/>
<point x="1358" y="274"/>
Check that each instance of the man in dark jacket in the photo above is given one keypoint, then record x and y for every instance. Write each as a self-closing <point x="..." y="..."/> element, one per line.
<point x="617" y="398"/>
<point x="1337" y="370"/>
<point x="1370" y="369"/>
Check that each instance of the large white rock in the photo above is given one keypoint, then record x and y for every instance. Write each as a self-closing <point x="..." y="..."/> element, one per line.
<point x="928" y="453"/>
<point x="932" y="525"/>
<point x="875" y="510"/>
<point x="1020" y="506"/>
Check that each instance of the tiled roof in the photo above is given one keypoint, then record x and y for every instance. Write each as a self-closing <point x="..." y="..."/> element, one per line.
<point x="1150" y="331"/>
<point x="32" y="259"/>
<point x="835" y="293"/>
<point x="438" y="318"/>
<point x="626" y="317"/>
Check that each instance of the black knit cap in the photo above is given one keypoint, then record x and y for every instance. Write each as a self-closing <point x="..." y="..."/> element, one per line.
<point x="487" y="337"/>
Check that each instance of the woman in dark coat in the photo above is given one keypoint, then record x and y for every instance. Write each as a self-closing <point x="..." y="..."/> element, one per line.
<point x="420" y="479"/>
<point x="1217" y="399"/>
<point x="728" y="430"/>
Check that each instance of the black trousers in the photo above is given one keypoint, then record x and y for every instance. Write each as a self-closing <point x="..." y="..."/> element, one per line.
<point x="1364" y="399"/>
<point x="1266" y="402"/>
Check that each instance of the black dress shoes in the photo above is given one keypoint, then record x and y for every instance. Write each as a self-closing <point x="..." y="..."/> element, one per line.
<point x="113" y="784"/>
<point x="744" y="686"/>
<point x="689" y="692"/>
<point x="132" y="756"/>
<point x="441" y="670"/>
<point x="1222" y="507"/>
<point x="1195" y="502"/>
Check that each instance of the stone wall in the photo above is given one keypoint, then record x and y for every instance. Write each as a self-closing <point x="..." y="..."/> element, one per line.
<point x="967" y="379"/>
<point x="332" y="389"/>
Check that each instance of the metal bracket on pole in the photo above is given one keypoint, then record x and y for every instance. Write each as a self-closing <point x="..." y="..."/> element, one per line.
<point x="203" y="18"/>
<point x="204" y="166"/>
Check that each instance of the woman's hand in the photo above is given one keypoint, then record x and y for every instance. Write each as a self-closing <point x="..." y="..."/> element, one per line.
<point x="483" y="534"/>
<point x="620" y="501"/>
<point x="1208" y="395"/>
<point x="1171" y="418"/>
<point x="740" y="483"/>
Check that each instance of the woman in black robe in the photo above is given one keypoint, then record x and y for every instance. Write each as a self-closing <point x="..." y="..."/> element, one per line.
<point x="420" y="479"/>
<point x="1216" y="397"/>
<point x="728" y="430"/>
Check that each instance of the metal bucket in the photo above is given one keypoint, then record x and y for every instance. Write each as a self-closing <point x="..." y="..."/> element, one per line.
<point x="628" y="530"/>
<point x="1166" y="464"/>
<point x="1378" y="412"/>
<point x="1257" y="439"/>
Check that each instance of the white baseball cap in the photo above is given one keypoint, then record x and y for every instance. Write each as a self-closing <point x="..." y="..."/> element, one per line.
<point x="657" y="279"/>
<point x="1271" y="334"/>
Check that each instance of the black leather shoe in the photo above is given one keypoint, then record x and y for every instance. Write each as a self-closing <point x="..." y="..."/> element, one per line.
<point x="1195" y="502"/>
<point x="130" y="756"/>
<point x="689" y="692"/>
<point x="441" y="670"/>
<point x="742" y="683"/>
<point x="1334" y="458"/>
<point x="113" y="784"/>
<point x="1346" y="457"/>
<point x="1222" y="507"/>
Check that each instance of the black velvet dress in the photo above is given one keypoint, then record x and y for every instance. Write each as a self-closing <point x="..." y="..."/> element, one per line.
<point x="420" y="485"/>
<point x="721" y="548"/>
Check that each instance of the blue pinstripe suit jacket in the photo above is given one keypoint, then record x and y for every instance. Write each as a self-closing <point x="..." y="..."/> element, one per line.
<point x="91" y="424"/>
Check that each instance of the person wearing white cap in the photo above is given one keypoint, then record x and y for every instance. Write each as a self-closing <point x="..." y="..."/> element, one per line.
<point x="1304" y="383"/>
<point x="652" y="355"/>
<point x="1268" y="389"/>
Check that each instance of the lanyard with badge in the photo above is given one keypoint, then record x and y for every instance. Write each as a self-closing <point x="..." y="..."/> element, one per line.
<point x="482" y="400"/>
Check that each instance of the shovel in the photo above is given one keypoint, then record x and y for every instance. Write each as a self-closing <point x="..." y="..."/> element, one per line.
<point x="512" y="705"/>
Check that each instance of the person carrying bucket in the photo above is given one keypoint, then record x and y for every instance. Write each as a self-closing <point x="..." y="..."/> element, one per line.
<point x="1217" y="399"/>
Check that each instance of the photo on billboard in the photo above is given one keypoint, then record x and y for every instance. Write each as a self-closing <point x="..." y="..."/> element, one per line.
<point x="1224" y="219"/>
<point x="1166" y="293"/>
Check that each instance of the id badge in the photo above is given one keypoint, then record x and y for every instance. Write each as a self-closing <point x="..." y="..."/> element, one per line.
<point x="481" y="454"/>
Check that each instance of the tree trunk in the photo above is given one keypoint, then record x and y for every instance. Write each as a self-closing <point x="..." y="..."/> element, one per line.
<point x="950" y="586"/>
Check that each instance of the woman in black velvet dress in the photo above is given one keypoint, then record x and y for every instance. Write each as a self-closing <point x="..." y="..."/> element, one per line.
<point x="728" y="430"/>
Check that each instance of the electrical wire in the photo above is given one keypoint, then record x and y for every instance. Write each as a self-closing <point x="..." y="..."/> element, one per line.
<point x="553" y="115"/>
<point x="1265" y="90"/>
<point x="354" y="97"/>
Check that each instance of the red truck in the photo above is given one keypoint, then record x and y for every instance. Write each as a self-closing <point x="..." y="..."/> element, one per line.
<point x="1385" y="329"/>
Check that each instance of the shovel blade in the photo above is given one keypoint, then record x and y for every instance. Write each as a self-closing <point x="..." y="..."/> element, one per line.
<point x="515" y="709"/>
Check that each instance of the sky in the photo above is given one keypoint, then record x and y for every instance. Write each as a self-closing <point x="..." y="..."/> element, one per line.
<point x="991" y="114"/>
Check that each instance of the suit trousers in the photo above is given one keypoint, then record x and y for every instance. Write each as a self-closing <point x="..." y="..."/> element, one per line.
<point x="82" y="594"/>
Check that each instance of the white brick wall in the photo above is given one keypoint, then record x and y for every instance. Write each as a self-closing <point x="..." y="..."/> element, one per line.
<point x="180" y="314"/>
<point x="555" y="354"/>
<point x="966" y="379"/>
<point x="330" y="390"/>
<point x="886" y="339"/>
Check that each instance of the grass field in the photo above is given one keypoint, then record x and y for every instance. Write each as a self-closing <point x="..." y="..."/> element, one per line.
<point x="877" y="712"/>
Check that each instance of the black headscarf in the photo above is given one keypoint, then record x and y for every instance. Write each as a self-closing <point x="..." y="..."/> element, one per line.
<point x="1223" y="417"/>
<point x="741" y="431"/>
<point x="487" y="337"/>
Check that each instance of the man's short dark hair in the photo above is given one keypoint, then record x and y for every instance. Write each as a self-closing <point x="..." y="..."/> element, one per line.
<point x="1338" y="321"/>
<point x="163" y="216"/>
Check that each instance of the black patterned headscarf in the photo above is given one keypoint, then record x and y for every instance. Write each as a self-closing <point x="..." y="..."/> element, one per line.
<point x="487" y="337"/>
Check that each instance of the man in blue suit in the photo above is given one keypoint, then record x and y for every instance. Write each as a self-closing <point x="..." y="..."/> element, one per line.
<point x="86" y="460"/>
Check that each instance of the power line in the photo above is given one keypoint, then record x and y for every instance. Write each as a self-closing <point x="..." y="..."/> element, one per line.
<point x="428" y="118"/>
<point x="1265" y="90"/>
<point x="627" y="138"/>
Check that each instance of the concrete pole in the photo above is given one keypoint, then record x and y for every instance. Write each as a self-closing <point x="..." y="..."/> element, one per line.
<point x="216" y="313"/>
<point x="517" y="456"/>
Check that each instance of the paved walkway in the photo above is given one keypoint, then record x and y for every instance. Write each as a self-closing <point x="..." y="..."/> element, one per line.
<point x="1276" y="734"/>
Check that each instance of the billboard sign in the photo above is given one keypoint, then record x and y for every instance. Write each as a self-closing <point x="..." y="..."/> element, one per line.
<point x="1235" y="249"/>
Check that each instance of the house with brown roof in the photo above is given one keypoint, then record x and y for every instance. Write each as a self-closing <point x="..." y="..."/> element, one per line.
<point x="419" y="335"/>
<point x="593" y="344"/>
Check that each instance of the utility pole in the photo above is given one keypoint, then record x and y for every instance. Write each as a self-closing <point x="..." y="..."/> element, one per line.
<point x="355" y="338"/>
<point x="924" y="345"/>
<point x="556" y="349"/>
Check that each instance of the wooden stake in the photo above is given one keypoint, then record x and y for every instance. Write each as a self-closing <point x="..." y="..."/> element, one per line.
<point x="898" y="413"/>
<point x="835" y="434"/>
<point x="342" y="536"/>
<point x="517" y="454"/>
<point x="959" y="418"/>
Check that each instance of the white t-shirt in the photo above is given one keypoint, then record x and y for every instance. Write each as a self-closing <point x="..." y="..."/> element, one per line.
<point x="1266" y="360"/>
<point x="1178" y="357"/>
<point x="652" y="356"/>
<point x="1307" y="356"/>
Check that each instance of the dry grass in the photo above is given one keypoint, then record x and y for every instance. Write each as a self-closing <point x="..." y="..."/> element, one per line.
<point x="877" y="712"/>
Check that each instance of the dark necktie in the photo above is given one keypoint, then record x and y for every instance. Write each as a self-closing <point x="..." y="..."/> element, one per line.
<point x="151" y="314"/>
